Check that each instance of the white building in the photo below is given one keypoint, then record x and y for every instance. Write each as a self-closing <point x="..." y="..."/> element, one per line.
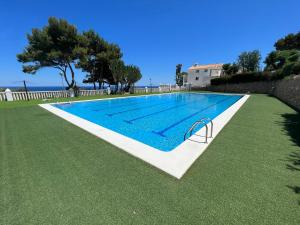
<point x="200" y="75"/>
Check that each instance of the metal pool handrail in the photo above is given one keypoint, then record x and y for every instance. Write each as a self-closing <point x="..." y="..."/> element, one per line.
<point x="211" y="125"/>
<point x="202" y="121"/>
<point x="193" y="127"/>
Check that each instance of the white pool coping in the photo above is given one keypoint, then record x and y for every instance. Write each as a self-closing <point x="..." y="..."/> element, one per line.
<point x="175" y="162"/>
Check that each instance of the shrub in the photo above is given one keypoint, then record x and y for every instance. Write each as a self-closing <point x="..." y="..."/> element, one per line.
<point x="288" y="69"/>
<point x="243" y="78"/>
<point x="296" y="69"/>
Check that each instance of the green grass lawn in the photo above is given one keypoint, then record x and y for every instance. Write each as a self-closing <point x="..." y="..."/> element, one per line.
<point x="52" y="172"/>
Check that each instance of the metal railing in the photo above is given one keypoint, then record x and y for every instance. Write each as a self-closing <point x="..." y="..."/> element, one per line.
<point x="211" y="125"/>
<point x="204" y="122"/>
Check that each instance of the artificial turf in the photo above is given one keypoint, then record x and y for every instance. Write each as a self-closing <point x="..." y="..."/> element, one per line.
<point x="52" y="172"/>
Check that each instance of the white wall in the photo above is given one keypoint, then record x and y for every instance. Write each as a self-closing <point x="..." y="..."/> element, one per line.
<point x="201" y="78"/>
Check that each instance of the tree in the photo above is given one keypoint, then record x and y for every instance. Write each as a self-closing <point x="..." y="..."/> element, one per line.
<point x="89" y="79"/>
<point x="178" y="68"/>
<point x="178" y="78"/>
<point x="98" y="55"/>
<point x="132" y="75"/>
<point x="286" y="59"/>
<point x="94" y="45"/>
<point x="278" y="59"/>
<point x="57" y="45"/>
<point x="179" y="75"/>
<point x="118" y="71"/>
<point x="230" y="69"/>
<point x="249" y="61"/>
<point x="113" y="53"/>
<point x="289" y="42"/>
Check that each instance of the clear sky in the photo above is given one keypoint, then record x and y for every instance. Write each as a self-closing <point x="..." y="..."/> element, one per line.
<point x="153" y="34"/>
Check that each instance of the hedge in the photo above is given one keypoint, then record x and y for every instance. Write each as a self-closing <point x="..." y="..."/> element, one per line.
<point x="243" y="78"/>
<point x="289" y="69"/>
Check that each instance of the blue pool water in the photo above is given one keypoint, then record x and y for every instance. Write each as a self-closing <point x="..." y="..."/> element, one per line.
<point x="156" y="120"/>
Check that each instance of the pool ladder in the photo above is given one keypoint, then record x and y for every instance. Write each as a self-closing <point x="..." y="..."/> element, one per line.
<point x="204" y="122"/>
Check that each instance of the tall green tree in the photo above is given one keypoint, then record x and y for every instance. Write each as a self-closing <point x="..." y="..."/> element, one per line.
<point x="57" y="45"/>
<point x="113" y="53"/>
<point x="98" y="55"/>
<point x="132" y="75"/>
<point x="118" y="70"/>
<point x="94" y="45"/>
<point x="286" y="59"/>
<point x="289" y="42"/>
<point x="178" y="75"/>
<point x="278" y="59"/>
<point x="249" y="61"/>
<point x="230" y="69"/>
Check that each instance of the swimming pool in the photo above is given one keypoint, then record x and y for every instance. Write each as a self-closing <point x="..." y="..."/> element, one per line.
<point x="152" y="127"/>
<point x="159" y="120"/>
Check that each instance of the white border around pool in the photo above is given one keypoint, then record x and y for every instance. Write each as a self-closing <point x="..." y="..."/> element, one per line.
<point x="175" y="162"/>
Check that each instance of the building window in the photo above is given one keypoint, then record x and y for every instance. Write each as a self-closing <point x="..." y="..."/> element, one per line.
<point x="197" y="71"/>
<point x="197" y="78"/>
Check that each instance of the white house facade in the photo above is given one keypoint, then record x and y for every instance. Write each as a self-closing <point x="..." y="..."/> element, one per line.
<point x="200" y="75"/>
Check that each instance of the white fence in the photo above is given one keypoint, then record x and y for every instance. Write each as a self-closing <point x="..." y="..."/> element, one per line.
<point x="160" y="89"/>
<point x="145" y="90"/>
<point x="21" y="95"/>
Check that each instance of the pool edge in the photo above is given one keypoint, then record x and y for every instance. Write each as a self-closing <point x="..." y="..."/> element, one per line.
<point x="176" y="162"/>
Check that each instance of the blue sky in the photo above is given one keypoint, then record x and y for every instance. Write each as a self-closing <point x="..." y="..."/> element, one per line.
<point x="155" y="35"/>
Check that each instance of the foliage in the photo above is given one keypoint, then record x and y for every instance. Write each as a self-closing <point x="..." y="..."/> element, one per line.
<point x="59" y="45"/>
<point x="230" y="69"/>
<point x="178" y="68"/>
<point x="277" y="59"/>
<point x="244" y="77"/>
<point x="96" y="60"/>
<point x="56" y="45"/>
<point x="89" y="79"/>
<point x="118" y="70"/>
<point x="289" y="69"/>
<point x="132" y="75"/>
<point x="289" y="42"/>
<point x="249" y="61"/>
<point x="286" y="70"/>
<point x="179" y="79"/>
<point x="178" y="75"/>
<point x="285" y="60"/>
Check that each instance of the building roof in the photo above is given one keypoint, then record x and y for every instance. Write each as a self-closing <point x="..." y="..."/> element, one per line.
<point x="207" y="66"/>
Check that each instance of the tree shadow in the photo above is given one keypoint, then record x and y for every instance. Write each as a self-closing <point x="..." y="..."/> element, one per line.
<point x="291" y="125"/>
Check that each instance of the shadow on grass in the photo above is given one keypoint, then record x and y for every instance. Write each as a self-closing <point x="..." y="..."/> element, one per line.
<point x="292" y="127"/>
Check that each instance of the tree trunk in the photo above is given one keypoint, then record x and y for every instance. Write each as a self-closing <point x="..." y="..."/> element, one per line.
<point x="94" y="85"/>
<point x="66" y="79"/>
<point x="117" y="87"/>
<point x="121" y="87"/>
<point x="72" y="75"/>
